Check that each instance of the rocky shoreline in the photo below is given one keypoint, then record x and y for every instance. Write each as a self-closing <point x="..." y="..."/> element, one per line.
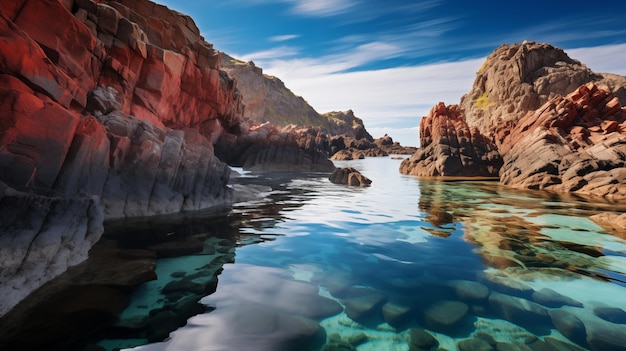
<point x="120" y="110"/>
<point x="536" y="119"/>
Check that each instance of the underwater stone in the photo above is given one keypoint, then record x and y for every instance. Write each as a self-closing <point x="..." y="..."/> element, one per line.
<point x="175" y="248"/>
<point x="474" y="344"/>
<point x="551" y="298"/>
<point x="517" y="309"/>
<point x="611" y="314"/>
<point x="364" y="306"/>
<point x="422" y="340"/>
<point x="569" y="325"/>
<point x="556" y="344"/>
<point x="514" y="346"/>
<point x="603" y="335"/>
<point x="444" y="315"/>
<point x="469" y="290"/>
<point x="396" y="314"/>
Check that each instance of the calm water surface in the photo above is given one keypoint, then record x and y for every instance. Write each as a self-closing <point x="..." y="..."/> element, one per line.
<point x="319" y="265"/>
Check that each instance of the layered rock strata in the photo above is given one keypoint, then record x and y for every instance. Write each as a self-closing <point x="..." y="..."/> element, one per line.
<point x="571" y="144"/>
<point x="449" y="147"/>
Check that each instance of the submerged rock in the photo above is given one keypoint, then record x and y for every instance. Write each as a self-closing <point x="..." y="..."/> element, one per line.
<point x="397" y="313"/>
<point x="518" y="310"/>
<point x="363" y="303"/>
<point x="467" y="290"/>
<point x="475" y="344"/>
<point x="611" y="314"/>
<point x="444" y="316"/>
<point x="551" y="298"/>
<point x="421" y="340"/>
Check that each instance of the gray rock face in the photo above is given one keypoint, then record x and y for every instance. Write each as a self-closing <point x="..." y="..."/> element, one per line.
<point x="268" y="148"/>
<point x="40" y="238"/>
<point x="155" y="170"/>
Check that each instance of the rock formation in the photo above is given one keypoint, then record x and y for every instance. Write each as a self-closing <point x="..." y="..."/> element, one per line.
<point x="519" y="78"/>
<point x="109" y="110"/>
<point x="266" y="147"/>
<point x="571" y="144"/>
<point x="349" y="176"/>
<point x="267" y="99"/>
<point x="516" y="116"/>
<point x="449" y="147"/>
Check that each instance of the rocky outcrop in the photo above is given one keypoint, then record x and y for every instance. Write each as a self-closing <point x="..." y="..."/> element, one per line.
<point x="573" y="144"/>
<point x="386" y="144"/>
<point x="269" y="148"/>
<point x="267" y="99"/>
<point x="109" y="110"/>
<point x="519" y="78"/>
<point x="449" y="147"/>
<point x="349" y="176"/>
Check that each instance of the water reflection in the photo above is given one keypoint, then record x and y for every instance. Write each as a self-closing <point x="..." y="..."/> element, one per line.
<point x="402" y="265"/>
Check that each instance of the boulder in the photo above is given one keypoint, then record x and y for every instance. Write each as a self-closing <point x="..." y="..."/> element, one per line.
<point x="444" y="315"/>
<point x="396" y="313"/>
<point x="569" y="325"/>
<point x="421" y="340"/>
<point x="474" y="344"/>
<point x="349" y="176"/>
<point x="551" y="298"/>
<point x="518" y="310"/>
<point x="365" y="304"/>
<point x="611" y="314"/>
<point x="467" y="290"/>
<point x="449" y="147"/>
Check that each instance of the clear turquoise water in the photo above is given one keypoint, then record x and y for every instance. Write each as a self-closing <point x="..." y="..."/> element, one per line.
<point x="311" y="245"/>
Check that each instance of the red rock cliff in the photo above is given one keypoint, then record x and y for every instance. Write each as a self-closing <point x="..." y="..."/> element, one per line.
<point x="108" y="109"/>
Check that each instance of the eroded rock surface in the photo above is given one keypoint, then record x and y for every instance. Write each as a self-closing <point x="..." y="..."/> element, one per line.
<point x="519" y="78"/>
<point x="449" y="147"/>
<point x="571" y="144"/>
<point x="109" y="110"/>
<point x="349" y="176"/>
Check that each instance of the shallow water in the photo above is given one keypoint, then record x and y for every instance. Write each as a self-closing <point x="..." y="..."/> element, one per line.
<point x="317" y="265"/>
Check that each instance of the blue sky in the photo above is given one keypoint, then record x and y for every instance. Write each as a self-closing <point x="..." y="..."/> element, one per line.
<point x="391" y="61"/>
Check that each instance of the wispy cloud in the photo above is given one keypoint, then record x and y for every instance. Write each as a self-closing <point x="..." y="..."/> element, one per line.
<point x="607" y="59"/>
<point x="399" y="96"/>
<point x="285" y="37"/>
<point x="322" y="8"/>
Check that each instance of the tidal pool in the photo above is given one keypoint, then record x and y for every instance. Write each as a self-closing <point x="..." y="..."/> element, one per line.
<point x="405" y="264"/>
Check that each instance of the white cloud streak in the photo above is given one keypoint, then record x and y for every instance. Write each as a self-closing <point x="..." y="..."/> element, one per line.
<point x="392" y="100"/>
<point x="321" y="8"/>
<point x="285" y="37"/>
